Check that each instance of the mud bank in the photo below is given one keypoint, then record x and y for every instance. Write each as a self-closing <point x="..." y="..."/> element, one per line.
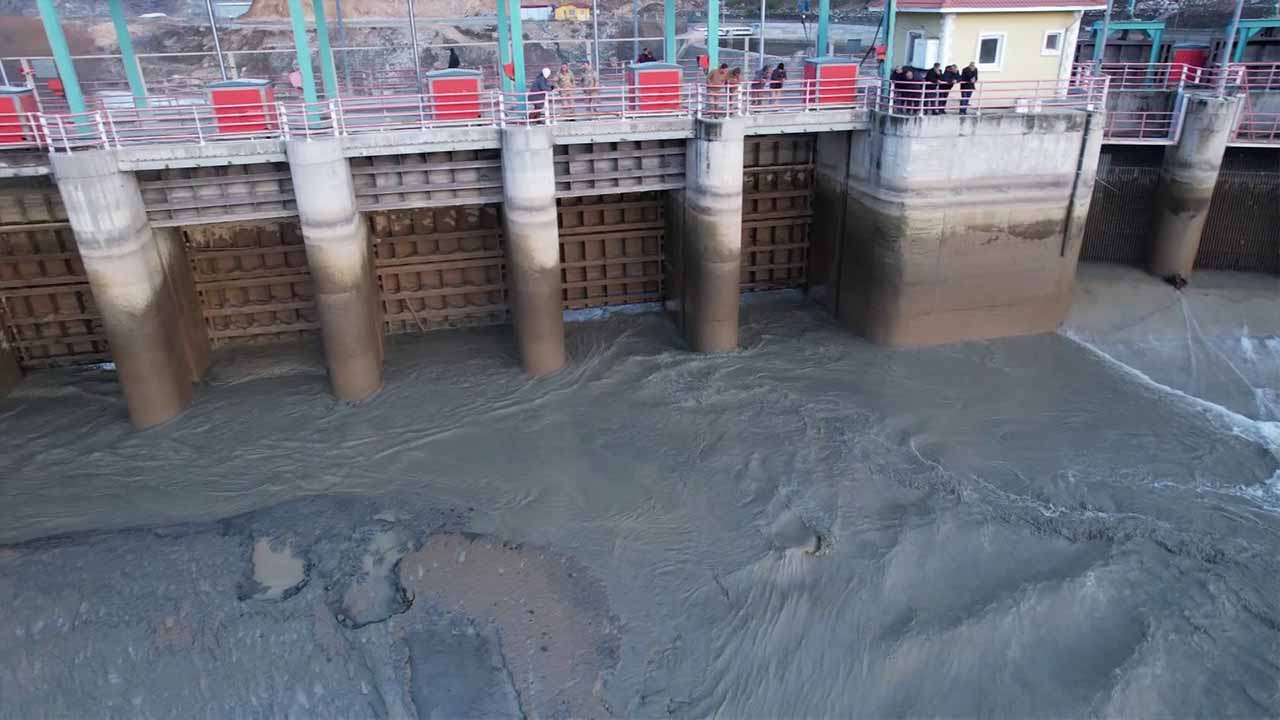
<point x="810" y="526"/>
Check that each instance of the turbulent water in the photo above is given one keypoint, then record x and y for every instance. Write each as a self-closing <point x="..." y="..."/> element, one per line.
<point x="1082" y="523"/>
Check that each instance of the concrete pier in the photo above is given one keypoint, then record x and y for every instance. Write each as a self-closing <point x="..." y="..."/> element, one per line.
<point x="964" y="227"/>
<point x="132" y="278"/>
<point x="831" y="171"/>
<point x="1187" y="179"/>
<point x="712" y="235"/>
<point x="340" y="257"/>
<point x="533" y="247"/>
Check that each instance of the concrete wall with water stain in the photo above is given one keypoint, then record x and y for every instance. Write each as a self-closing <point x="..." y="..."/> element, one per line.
<point x="962" y="228"/>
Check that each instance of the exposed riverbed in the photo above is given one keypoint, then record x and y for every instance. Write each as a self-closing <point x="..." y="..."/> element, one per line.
<point x="1077" y="523"/>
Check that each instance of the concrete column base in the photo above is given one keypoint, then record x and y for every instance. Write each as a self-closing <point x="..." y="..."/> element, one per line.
<point x="533" y="248"/>
<point x="340" y="257"/>
<point x="964" y="227"/>
<point x="127" y="271"/>
<point x="1187" y="180"/>
<point x="712" y="242"/>
<point x="831" y="169"/>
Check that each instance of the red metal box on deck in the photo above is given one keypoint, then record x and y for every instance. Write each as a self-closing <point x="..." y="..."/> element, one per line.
<point x="830" y="81"/>
<point x="654" y="87"/>
<point x="243" y="106"/>
<point x="16" y="125"/>
<point x="454" y="93"/>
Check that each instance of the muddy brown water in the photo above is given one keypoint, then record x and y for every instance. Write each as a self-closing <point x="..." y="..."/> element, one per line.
<point x="1061" y="525"/>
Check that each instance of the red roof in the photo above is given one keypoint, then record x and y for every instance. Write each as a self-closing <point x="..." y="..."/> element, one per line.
<point x="991" y="5"/>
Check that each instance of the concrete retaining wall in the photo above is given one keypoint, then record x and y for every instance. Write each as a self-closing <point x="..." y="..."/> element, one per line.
<point x="962" y="228"/>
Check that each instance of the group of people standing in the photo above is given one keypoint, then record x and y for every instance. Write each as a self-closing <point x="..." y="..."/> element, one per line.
<point x="723" y="84"/>
<point x="929" y="92"/>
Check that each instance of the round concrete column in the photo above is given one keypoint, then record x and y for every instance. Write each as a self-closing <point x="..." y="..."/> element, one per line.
<point x="341" y="261"/>
<point x="130" y="286"/>
<point x="1187" y="180"/>
<point x="713" y="235"/>
<point x="533" y="247"/>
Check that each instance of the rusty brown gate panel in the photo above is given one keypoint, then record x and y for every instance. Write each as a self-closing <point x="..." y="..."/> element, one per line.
<point x="220" y="194"/>
<point x="440" y="267"/>
<point x="611" y="249"/>
<point x="777" y="211"/>
<point x="47" y="315"/>
<point x="1242" y="231"/>
<point x="1122" y="211"/>
<point x="618" y="167"/>
<point x="253" y="282"/>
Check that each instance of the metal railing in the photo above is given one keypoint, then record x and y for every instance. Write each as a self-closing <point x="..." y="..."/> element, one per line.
<point x="192" y="121"/>
<point x="1258" y="128"/>
<point x="1142" y="127"/>
<point x="1173" y="76"/>
<point x="988" y="97"/>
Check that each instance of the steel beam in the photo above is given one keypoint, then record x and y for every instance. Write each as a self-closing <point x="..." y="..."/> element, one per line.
<point x="517" y="43"/>
<point x="327" y="70"/>
<point x="669" y="49"/>
<point x="131" y="69"/>
<point x="713" y="34"/>
<point x="299" y="23"/>
<point x="824" y="21"/>
<point x="504" y="46"/>
<point x="61" y="56"/>
<point x="890" y="27"/>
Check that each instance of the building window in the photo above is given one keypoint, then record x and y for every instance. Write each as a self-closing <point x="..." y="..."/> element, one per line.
<point x="991" y="51"/>
<point x="1052" y="44"/>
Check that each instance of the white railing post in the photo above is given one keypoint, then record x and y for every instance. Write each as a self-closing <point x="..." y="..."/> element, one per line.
<point x="66" y="141"/>
<point x="334" y="121"/>
<point x="502" y="111"/>
<point x="195" y="114"/>
<point x="102" y="130"/>
<point x="111" y="126"/>
<point x="422" y="112"/>
<point x="282" y="118"/>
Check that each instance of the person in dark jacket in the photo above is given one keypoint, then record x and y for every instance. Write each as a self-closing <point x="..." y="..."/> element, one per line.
<point x="897" y="80"/>
<point x="968" y="81"/>
<point x="777" y="79"/>
<point x="646" y="56"/>
<point x="454" y="60"/>
<point x="542" y="85"/>
<point x="932" y="77"/>
<point x="950" y="76"/>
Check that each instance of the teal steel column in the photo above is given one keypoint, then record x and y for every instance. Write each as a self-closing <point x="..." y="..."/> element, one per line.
<point x="890" y="10"/>
<point x="299" y="22"/>
<point x="517" y="44"/>
<point x="824" y="18"/>
<point x="504" y="47"/>
<point x="61" y="56"/>
<point x="131" y="69"/>
<point x="327" y="69"/>
<point x="669" y="31"/>
<point x="713" y="34"/>
<point x="1157" y="37"/>
<point x="1237" y="55"/>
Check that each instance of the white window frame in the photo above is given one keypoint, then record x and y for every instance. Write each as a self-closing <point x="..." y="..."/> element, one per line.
<point x="998" y="65"/>
<point x="1044" y="42"/>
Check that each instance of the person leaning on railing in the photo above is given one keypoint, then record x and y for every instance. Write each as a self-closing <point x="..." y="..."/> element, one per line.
<point x="565" y="87"/>
<point x="968" y="81"/>
<point x="590" y="85"/>
<point x="542" y="85"/>
<point x="717" y="89"/>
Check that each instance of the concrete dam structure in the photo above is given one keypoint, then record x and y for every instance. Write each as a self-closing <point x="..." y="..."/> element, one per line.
<point x="912" y="230"/>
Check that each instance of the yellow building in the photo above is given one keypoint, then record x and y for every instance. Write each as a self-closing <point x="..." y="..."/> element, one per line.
<point x="1008" y="39"/>
<point x="574" y="12"/>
